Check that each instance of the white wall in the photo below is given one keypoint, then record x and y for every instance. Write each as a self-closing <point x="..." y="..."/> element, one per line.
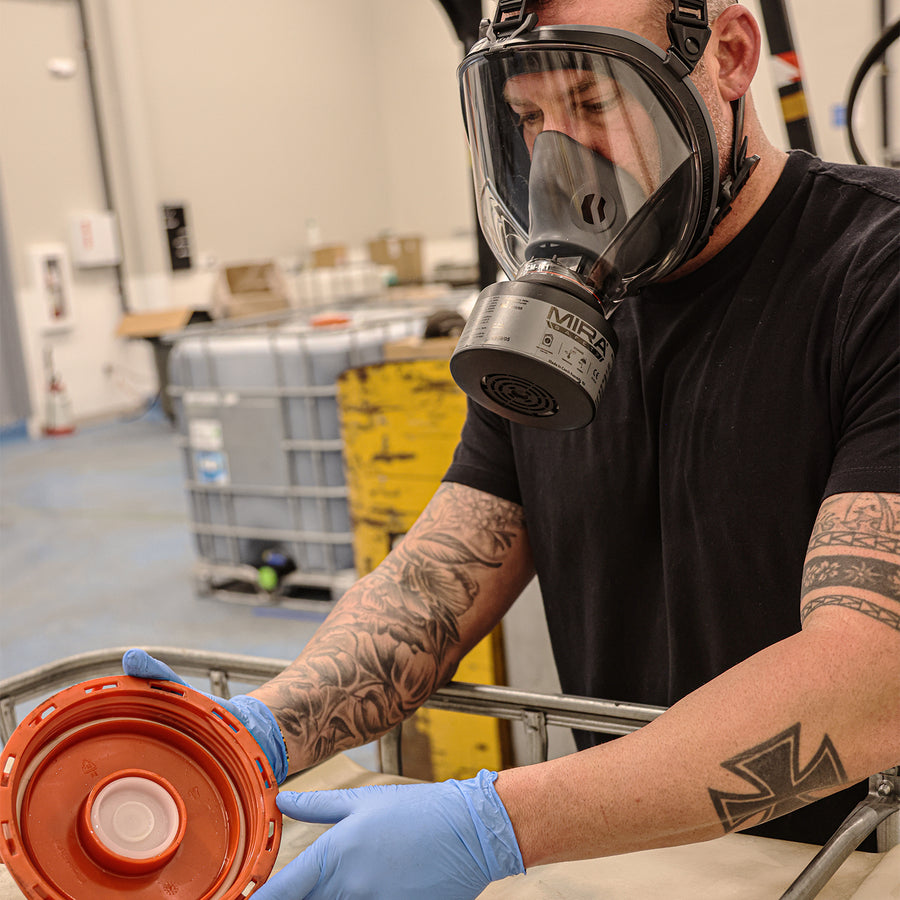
<point x="831" y="38"/>
<point x="261" y="117"/>
<point x="264" y="115"/>
<point x="48" y="162"/>
<point x="428" y="182"/>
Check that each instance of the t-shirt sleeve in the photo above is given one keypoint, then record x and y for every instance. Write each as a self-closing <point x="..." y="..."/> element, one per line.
<point x="867" y="453"/>
<point x="484" y="458"/>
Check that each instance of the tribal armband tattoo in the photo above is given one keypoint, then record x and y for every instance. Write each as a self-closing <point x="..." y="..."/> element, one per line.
<point x="854" y="558"/>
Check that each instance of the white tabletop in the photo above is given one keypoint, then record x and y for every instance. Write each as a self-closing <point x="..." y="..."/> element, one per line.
<point x="735" y="867"/>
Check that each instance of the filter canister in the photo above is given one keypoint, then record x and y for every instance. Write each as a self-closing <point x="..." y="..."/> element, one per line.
<point x="535" y="354"/>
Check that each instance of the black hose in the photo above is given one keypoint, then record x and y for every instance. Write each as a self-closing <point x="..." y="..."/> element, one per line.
<point x="888" y="36"/>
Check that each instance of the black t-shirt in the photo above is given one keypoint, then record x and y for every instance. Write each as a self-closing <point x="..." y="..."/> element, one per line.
<point x="669" y="535"/>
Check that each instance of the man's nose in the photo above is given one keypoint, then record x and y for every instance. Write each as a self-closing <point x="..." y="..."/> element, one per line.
<point x="568" y="124"/>
<point x="559" y="120"/>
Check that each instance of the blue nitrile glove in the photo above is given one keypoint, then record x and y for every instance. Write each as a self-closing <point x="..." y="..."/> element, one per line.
<point x="444" y="841"/>
<point x="253" y="714"/>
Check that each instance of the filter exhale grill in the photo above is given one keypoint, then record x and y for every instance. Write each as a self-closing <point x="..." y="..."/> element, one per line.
<point x="519" y="394"/>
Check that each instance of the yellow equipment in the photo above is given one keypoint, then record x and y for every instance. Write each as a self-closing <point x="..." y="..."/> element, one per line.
<point x="400" y="421"/>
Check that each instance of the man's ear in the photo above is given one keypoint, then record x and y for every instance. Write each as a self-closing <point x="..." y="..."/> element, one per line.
<point x="736" y="47"/>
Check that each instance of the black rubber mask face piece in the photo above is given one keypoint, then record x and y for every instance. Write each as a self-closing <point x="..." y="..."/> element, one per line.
<point x="594" y="166"/>
<point x="580" y="207"/>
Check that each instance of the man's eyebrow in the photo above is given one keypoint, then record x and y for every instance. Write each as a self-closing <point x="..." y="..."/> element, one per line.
<point x="586" y="83"/>
<point x="513" y="99"/>
<point x="580" y="87"/>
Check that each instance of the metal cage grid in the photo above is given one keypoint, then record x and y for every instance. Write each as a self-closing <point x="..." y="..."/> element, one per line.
<point x="879" y="812"/>
<point x="308" y="502"/>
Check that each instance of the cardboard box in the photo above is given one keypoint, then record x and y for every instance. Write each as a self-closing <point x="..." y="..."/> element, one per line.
<point x="159" y="322"/>
<point x="404" y="254"/>
<point x="330" y="256"/>
<point x="251" y="289"/>
<point x="420" y="348"/>
<point x="152" y="327"/>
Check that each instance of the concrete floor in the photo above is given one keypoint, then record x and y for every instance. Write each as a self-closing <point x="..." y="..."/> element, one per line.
<point x="95" y="552"/>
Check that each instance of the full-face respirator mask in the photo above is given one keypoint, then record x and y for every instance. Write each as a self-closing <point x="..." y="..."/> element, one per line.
<point x="596" y="172"/>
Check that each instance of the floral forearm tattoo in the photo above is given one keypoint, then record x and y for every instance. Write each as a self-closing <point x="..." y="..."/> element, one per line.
<point x="854" y="558"/>
<point x="389" y="646"/>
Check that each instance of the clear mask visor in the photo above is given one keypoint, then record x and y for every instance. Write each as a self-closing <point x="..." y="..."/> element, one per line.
<point x="580" y="157"/>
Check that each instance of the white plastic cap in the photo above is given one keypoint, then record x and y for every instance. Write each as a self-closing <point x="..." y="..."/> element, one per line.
<point x="135" y="818"/>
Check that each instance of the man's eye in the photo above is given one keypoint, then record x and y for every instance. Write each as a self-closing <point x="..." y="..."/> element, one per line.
<point x="599" y="106"/>
<point x="530" y="118"/>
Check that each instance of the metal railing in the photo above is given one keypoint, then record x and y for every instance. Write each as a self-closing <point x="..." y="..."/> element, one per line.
<point x="879" y="812"/>
<point x="536" y="711"/>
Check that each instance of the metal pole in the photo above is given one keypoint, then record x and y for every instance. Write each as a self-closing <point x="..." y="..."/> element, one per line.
<point x="885" y="93"/>
<point x="794" y="109"/>
<point x="102" y="154"/>
<point x="882" y="802"/>
<point x="465" y="16"/>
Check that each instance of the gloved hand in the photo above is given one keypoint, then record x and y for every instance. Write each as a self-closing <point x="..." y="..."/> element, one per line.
<point x="255" y="716"/>
<point x="444" y="841"/>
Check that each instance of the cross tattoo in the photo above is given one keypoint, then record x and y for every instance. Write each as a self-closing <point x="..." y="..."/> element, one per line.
<point x="773" y="768"/>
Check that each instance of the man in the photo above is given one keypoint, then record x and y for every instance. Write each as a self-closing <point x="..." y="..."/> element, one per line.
<point x="743" y="458"/>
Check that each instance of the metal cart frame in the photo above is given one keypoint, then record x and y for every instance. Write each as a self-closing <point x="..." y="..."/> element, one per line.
<point x="879" y="812"/>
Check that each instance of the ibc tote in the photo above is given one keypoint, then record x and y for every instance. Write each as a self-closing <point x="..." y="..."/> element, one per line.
<point x="257" y="414"/>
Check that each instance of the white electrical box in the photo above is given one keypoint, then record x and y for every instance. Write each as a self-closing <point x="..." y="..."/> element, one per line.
<point x="94" y="239"/>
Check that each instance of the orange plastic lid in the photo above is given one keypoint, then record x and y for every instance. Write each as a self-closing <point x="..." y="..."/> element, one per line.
<point x="329" y="319"/>
<point x="122" y="787"/>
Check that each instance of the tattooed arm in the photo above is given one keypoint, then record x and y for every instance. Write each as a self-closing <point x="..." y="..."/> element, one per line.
<point x="853" y="562"/>
<point x="400" y="632"/>
<point x="791" y="724"/>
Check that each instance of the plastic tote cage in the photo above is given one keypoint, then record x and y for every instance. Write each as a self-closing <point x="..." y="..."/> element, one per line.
<point x="257" y="415"/>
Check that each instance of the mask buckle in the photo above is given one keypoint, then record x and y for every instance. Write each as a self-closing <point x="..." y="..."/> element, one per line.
<point x="688" y="29"/>
<point x="510" y="20"/>
<point x="742" y="166"/>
